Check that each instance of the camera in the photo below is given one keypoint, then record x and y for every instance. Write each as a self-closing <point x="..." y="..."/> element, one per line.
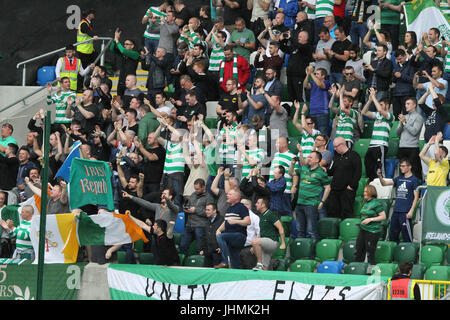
<point x="285" y="35"/>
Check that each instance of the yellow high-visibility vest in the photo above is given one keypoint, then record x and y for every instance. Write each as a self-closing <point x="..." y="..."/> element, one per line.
<point x="86" y="48"/>
<point x="70" y="71"/>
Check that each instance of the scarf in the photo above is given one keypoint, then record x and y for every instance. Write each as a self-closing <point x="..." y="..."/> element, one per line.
<point x="235" y="68"/>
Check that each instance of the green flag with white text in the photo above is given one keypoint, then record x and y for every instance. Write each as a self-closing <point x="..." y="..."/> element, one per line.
<point x="436" y="215"/>
<point x="90" y="183"/>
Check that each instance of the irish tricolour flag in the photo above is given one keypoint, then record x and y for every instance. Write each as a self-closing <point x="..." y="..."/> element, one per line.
<point x="422" y="15"/>
<point x="66" y="232"/>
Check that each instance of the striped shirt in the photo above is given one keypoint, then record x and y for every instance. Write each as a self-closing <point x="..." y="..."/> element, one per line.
<point x="445" y="7"/>
<point x="310" y="12"/>
<point x="216" y="57"/>
<point x="307" y="142"/>
<point x="22" y="234"/>
<point x="324" y="8"/>
<point x="346" y="124"/>
<point x="447" y="60"/>
<point x="256" y="154"/>
<point x="227" y="151"/>
<point x="311" y="185"/>
<point x="174" y="158"/>
<point x="60" y="100"/>
<point x="148" y="31"/>
<point x="381" y="129"/>
<point x="284" y="159"/>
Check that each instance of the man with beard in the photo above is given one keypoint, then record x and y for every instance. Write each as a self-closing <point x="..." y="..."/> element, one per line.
<point x="234" y="66"/>
<point x="256" y="103"/>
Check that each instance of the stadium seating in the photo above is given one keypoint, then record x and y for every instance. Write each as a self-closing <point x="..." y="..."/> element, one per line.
<point x="194" y="261"/>
<point x="330" y="267"/>
<point x="45" y="75"/>
<point x="357" y="205"/>
<point x="282" y="265"/>
<point x="328" y="228"/>
<point x="121" y="257"/>
<point x="181" y="256"/>
<point x="286" y="221"/>
<point x="431" y="255"/>
<point x="179" y="223"/>
<point x="406" y="251"/>
<point x="146" y="258"/>
<point x="438" y="273"/>
<point x="177" y="239"/>
<point x="293" y="141"/>
<point x="418" y="271"/>
<point x="192" y="248"/>
<point x="349" y="229"/>
<point x="367" y="131"/>
<point x="356" y="268"/>
<point x="302" y="248"/>
<point x="385" y="269"/>
<point x="348" y="251"/>
<point x="281" y="253"/>
<point x="138" y="246"/>
<point x="361" y="185"/>
<point x="361" y="147"/>
<point x="384" y="252"/>
<point x="303" y="266"/>
<point x="328" y="249"/>
<point x="393" y="132"/>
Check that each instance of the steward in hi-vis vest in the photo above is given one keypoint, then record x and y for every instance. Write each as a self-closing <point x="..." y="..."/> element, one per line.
<point x="401" y="287"/>
<point x="70" y="66"/>
<point x="85" y="31"/>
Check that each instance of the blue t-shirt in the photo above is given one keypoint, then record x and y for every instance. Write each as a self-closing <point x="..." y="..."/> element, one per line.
<point x="320" y="98"/>
<point x="236" y="212"/>
<point x="405" y="192"/>
<point x="262" y="111"/>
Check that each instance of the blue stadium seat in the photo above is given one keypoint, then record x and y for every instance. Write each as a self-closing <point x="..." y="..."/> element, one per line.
<point x="45" y="75"/>
<point x="179" y="223"/>
<point x="446" y="132"/>
<point x="330" y="267"/>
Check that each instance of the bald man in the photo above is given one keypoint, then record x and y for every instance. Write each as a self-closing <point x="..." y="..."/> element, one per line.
<point x="346" y="170"/>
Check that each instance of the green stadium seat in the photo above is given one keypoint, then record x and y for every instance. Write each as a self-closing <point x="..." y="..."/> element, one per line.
<point x="194" y="261"/>
<point x="421" y="144"/>
<point x="448" y="256"/>
<point x="431" y="255"/>
<point x="328" y="228"/>
<point x="361" y="185"/>
<point x="138" y="246"/>
<point x="146" y="258"/>
<point x="393" y="148"/>
<point x="302" y="248"/>
<point x="384" y="252"/>
<point x="356" y="268"/>
<point x="303" y="266"/>
<point x="283" y="265"/>
<point x="368" y="128"/>
<point x="121" y="257"/>
<point x="348" y="229"/>
<point x="438" y="273"/>
<point x="348" y="251"/>
<point x="328" y="249"/>
<point x="357" y="205"/>
<point x="418" y="271"/>
<point x="177" y="239"/>
<point x="384" y="228"/>
<point x="285" y="93"/>
<point x="292" y="130"/>
<point x="387" y="205"/>
<point x="361" y="146"/>
<point x="192" y="248"/>
<point x="406" y="251"/>
<point x="393" y="132"/>
<point x="281" y="253"/>
<point x="286" y="221"/>
<point x="211" y="123"/>
<point x="385" y="269"/>
<point x="293" y="141"/>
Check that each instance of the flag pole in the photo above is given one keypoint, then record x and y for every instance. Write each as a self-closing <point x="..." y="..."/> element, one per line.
<point x="43" y="209"/>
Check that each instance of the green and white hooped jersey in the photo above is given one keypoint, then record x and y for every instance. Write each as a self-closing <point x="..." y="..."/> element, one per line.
<point x="307" y="142"/>
<point x="175" y="161"/>
<point x="22" y="234"/>
<point x="216" y="57"/>
<point x="227" y="151"/>
<point x="60" y="100"/>
<point x="324" y="8"/>
<point x="257" y="154"/>
<point x="284" y="159"/>
<point x="148" y="30"/>
<point x="381" y="129"/>
<point x="447" y="60"/>
<point x="346" y="124"/>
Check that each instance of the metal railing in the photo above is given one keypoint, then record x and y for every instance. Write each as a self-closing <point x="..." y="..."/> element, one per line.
<point x="24" y="63"/>
<point x="430" y="289"/>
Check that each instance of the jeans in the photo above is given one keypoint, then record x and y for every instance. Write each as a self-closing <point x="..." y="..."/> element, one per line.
<point x="231" y="244"/>
<point x="357" y="32"/>
<point x="335" y="77"/>
<point x="307" y="218"/>
<point x="322" y="122"/>
<point x="188" y="236"/>
<point x="151" y="45"/>
<point x="175" y="181"/>
<point x="318" y="23"/>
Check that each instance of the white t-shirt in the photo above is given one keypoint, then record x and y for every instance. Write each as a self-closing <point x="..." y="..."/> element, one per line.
<point x="429" y="101"/>
<point x="252" y="228"/>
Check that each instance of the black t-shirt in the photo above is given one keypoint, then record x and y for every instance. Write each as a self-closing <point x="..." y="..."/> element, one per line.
<point x="230" y="14"/>
<point x="229" y="102"/>
<point x="88" y="124"/>
<point x="153" y="170"/>
<point x="339" y="47"/>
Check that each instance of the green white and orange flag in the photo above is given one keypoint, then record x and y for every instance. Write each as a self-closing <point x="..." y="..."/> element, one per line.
<point x="422" y="15"/>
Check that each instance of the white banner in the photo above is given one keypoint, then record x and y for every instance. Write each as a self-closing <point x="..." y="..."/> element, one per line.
<point x="126" y="284"/>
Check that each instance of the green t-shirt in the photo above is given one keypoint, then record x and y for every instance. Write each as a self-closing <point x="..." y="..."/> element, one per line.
<point x="266" y="225"/>
<point x="371" y="209"/>
<point x="211" y="159"/>
<point x="311" y="185"/>
<point x="6" y="141"/>
<point x="246" y="36"/>
<point x="389" y="16"/>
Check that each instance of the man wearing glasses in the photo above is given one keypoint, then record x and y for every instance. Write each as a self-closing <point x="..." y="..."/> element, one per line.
<point x="405" y="201"/>
<point x="352" y="85"/>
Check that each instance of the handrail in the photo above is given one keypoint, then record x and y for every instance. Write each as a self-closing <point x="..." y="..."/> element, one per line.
<point x="24" y="63"/>
<point x="100" y="56"/>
